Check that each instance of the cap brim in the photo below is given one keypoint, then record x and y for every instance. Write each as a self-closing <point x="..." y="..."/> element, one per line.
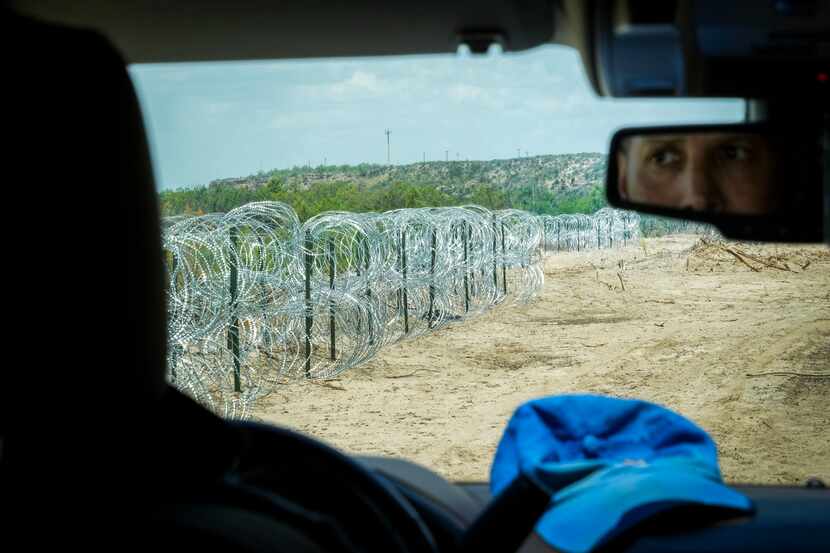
<point x="611" y="501"/>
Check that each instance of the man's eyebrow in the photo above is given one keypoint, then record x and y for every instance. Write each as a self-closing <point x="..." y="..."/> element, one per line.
<point x="721" y="138"/>
<point x="663" y="140"/>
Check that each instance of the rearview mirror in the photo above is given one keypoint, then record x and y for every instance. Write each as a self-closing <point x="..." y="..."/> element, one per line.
<point x="752" y="181"/>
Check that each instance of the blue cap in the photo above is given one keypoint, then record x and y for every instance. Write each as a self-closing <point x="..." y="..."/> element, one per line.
<point x="646" y="458"/>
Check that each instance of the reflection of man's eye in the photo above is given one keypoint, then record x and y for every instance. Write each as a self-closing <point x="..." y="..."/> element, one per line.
<point x="664" y="157"/>
<point x="735" y="152"/>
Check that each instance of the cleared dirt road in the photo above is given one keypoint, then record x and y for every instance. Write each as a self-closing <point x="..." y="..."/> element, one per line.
<point x="668" y="320"/>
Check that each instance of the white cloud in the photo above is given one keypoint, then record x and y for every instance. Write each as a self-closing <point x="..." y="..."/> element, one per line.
<point x="491" y="98"/>
<point x="361" y="80"/>
<point x="561" y="104"/>
<point x="358" y="85"/>
<point x="463" y="92"/>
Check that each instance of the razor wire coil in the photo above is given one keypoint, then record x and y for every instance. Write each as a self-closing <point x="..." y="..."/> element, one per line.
<point x="255" y="297"/>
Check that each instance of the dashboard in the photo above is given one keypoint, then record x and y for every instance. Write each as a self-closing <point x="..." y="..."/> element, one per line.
<point x="787" y="518"/>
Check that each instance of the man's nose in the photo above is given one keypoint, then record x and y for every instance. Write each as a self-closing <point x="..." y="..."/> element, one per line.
<point x="699" y="192"/>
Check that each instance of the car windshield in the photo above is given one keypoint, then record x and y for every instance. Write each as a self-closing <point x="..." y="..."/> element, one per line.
<point x="392" y="254"/>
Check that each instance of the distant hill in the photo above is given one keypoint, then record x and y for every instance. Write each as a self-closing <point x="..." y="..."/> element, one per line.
<point x="555" y="173"/>
<point x="569" y="183"/>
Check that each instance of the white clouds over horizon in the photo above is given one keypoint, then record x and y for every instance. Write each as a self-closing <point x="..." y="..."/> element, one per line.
<point x="212" y="120"/>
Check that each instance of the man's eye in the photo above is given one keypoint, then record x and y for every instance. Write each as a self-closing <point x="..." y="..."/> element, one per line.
<point x="735" y="152"/>
<point x="665" y="157"/>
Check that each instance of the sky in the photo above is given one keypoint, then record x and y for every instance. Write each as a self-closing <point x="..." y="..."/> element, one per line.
<point x="228" y="119"/>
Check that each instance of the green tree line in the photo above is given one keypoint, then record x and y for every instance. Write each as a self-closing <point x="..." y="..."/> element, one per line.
<point x="351" y="196"/>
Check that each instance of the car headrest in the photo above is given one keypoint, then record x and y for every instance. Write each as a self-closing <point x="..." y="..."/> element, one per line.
<point x="87" y="248"/>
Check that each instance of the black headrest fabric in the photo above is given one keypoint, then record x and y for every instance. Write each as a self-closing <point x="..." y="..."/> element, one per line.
<point x="84" y="245"/>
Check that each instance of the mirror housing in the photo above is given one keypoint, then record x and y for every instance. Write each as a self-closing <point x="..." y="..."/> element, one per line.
<point x="752" y="181"/>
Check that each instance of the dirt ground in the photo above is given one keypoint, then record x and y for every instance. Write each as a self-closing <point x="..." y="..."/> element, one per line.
<point x="695" y="329"/>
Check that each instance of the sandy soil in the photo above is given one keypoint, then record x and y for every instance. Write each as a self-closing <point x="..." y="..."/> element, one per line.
<point x="693" y="329"/>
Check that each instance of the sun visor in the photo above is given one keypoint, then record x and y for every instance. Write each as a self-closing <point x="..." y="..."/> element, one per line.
<point x="750" y="50"/>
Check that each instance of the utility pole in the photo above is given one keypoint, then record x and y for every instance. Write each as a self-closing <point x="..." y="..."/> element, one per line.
<point x="518" y="152"/>
<point x="446" y="155"/>
<point x="533" y="197"/>
<point x="425" y="157"/>
<point x="388" y="150"/>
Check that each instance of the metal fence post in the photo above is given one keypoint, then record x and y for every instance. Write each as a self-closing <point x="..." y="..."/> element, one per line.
<point x="431" y="278"/>
<point x="625" y="229"/>
<point x="332" y="269"/>
<point x="610" y="233"/>
<point x="368" y="292"/>
<point x="466" y="269"/>
<point x="558" y="239"/>
<point x="233" y="328"/>
<point x="495" y="256"/>
<point x="309" y="314"/>
<point x="403" y="291"/>
<point x="357" y="270"/>
<point x="176" y="348"/>
<point x="503" y="262"/>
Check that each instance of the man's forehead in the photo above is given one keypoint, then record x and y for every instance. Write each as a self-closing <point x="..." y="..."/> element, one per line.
<point x="692" y="139"/>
